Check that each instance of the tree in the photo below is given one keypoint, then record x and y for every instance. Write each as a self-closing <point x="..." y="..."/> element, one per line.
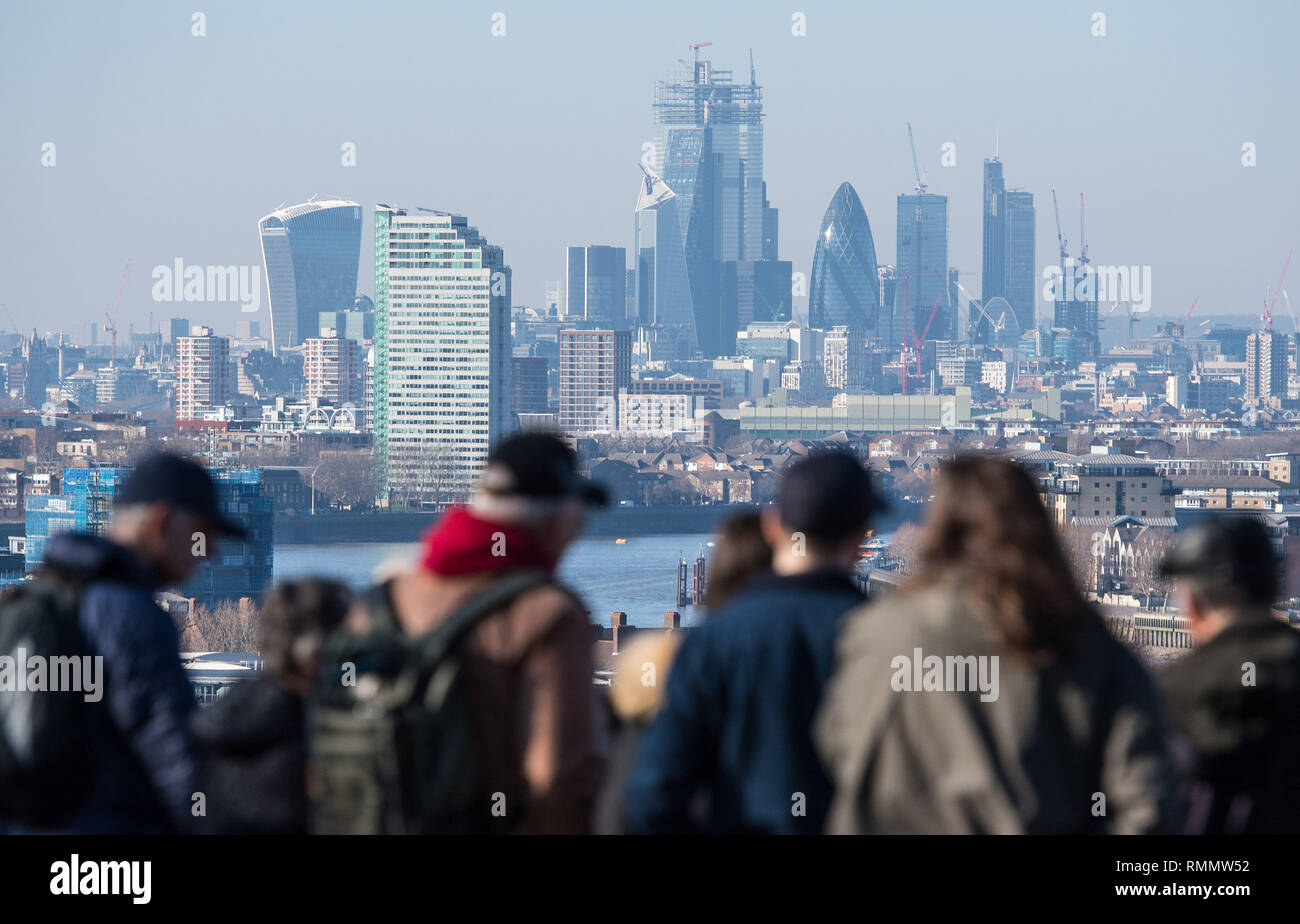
<point x="228" y="626"/>
<point x="904" y="548"/>
<point x="347" y="478"/>
<point x="1082" y="548"/>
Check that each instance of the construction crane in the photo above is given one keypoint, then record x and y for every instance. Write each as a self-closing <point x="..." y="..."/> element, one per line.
<point x="1188" y="313"/>
<point x="970" y="300"/>
<point x="920" y="341"/>
<point x="696" y="50"/>
<point x="111" y="320"/>
<point x="916" y="166"/>
<point x="1083" y="238"/>
<point x="1268" y="307"/>
<point x="1060" y="238"/>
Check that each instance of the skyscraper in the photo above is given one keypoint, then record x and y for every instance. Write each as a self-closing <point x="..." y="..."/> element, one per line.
<point x="1265" y="366"/>
<point x="711" y="157"/>
<point x="310" y="253"/>
<point x="845" y="287"/>
<point x="754" y="290"/>
<point x="1008" y="268"/>
<point x="595" y="285"/>
<point x="663" y="289"/>
<point x="442" y="354"/>
<point x="921" y="270"/>
<point x="203" y="373"/>
<point x="594" y="366"/>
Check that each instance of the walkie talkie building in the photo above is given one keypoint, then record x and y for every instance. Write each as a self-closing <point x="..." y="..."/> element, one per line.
<point x="310" y="253"/>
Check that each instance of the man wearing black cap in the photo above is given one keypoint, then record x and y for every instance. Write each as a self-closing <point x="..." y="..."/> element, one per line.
<point x="1235" y="700"/>
<point x="735" y="728"/>
<point x="165" y="518"/>
<point x="528" y="658"/>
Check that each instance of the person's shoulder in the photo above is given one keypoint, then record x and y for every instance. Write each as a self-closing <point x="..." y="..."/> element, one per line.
<point x="123" y="608"/>
<point x="886" y="624"/>
<point x="555" y="600"/>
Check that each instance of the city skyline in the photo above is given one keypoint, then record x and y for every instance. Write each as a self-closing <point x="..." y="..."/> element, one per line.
<point x="1136" y="156"/>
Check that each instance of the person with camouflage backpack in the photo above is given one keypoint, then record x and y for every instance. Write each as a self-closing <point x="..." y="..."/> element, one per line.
<point x="459" y="697"/>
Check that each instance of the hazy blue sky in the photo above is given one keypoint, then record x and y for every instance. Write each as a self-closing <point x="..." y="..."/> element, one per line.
<point x="172" y="146"/>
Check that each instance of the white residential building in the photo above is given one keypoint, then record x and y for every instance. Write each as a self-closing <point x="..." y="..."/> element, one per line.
<point x="204" y="373"/>
<point x="442" y="354"/>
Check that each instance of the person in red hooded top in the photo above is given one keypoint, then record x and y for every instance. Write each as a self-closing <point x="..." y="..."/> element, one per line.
<point x="529" y="663"/>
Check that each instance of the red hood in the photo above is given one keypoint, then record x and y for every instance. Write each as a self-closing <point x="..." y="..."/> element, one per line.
<point x="462" y="543"/>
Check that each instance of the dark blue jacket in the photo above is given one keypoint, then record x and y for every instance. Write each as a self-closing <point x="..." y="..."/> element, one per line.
<point x="735" y="727"/>
<point x="148" y="772"/>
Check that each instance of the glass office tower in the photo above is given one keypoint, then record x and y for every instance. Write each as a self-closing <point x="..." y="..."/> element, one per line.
<point x="310" y="254"/>
<point x="664" y="303"/>
<point x="921" y="270"/>
<point x="711" y="157"/>
<point x="1008" y="268"/>
<point x="845" y="287"/>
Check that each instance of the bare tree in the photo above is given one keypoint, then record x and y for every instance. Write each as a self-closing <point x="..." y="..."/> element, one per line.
<point x="347" y="478"/>
<point x="228" y="626"/>
<point x="1081" y="545"/>
<point x="904" y="548"/>
<point x="1149" y="551"/>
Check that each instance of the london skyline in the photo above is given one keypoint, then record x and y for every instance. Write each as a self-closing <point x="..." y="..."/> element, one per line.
<point x="546" y="157"/>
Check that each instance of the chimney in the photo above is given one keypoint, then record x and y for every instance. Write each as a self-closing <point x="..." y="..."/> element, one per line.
<point x="617" y="622"/>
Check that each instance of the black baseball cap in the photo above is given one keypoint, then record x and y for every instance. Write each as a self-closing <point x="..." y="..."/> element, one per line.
<point x="1231" y="554"/>
<point x="828" y="495"/>
<point x="538" y="466"/>
<point x="165" y="478"/>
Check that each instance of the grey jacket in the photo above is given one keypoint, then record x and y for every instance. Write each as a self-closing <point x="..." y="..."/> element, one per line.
<point x="1076" y="747"/>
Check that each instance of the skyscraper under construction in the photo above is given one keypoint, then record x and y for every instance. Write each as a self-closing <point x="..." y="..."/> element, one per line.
<point x="710" y="156"/>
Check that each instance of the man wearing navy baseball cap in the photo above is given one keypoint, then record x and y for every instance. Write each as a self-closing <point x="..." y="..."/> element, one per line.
<point x="146" y="770"/>
<point x="736" y="722"/>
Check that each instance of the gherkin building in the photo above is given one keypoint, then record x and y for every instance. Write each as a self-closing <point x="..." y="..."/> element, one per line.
<point x="845" y="287"/>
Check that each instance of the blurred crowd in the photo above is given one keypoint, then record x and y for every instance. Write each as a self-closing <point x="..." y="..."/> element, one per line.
<point x="984" y="695"/>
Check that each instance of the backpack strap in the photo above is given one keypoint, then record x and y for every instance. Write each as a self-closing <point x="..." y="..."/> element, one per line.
<point x="499" y="593"/>
<point x="378" y="606"/>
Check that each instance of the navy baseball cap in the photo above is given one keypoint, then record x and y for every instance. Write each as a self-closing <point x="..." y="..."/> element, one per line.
<point x="537" y="466"/>
<point x="166" y="478"/>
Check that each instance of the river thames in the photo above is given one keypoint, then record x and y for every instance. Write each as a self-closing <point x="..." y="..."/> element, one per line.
<point x="638" y="577"/>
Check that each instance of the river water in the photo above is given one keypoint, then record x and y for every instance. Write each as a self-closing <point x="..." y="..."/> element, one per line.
<point x="638" y="577"/>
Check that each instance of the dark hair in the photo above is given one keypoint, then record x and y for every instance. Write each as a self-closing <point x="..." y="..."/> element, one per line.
<point x="740" y="555"/>
<point x="297" y="616"/>
<point x="828" y="497"/>
<point x="988" y="525"/>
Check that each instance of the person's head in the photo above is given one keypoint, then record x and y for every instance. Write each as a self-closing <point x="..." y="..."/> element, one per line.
<point x="531" y="480"/>
<point x="297" y="617"/>
<point x="823" y="506"/>
<point x="740" y="554"/>
<point x="166" y="512"/>
<point x="1226" y="572"/>
<point x="988" y="528"/>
